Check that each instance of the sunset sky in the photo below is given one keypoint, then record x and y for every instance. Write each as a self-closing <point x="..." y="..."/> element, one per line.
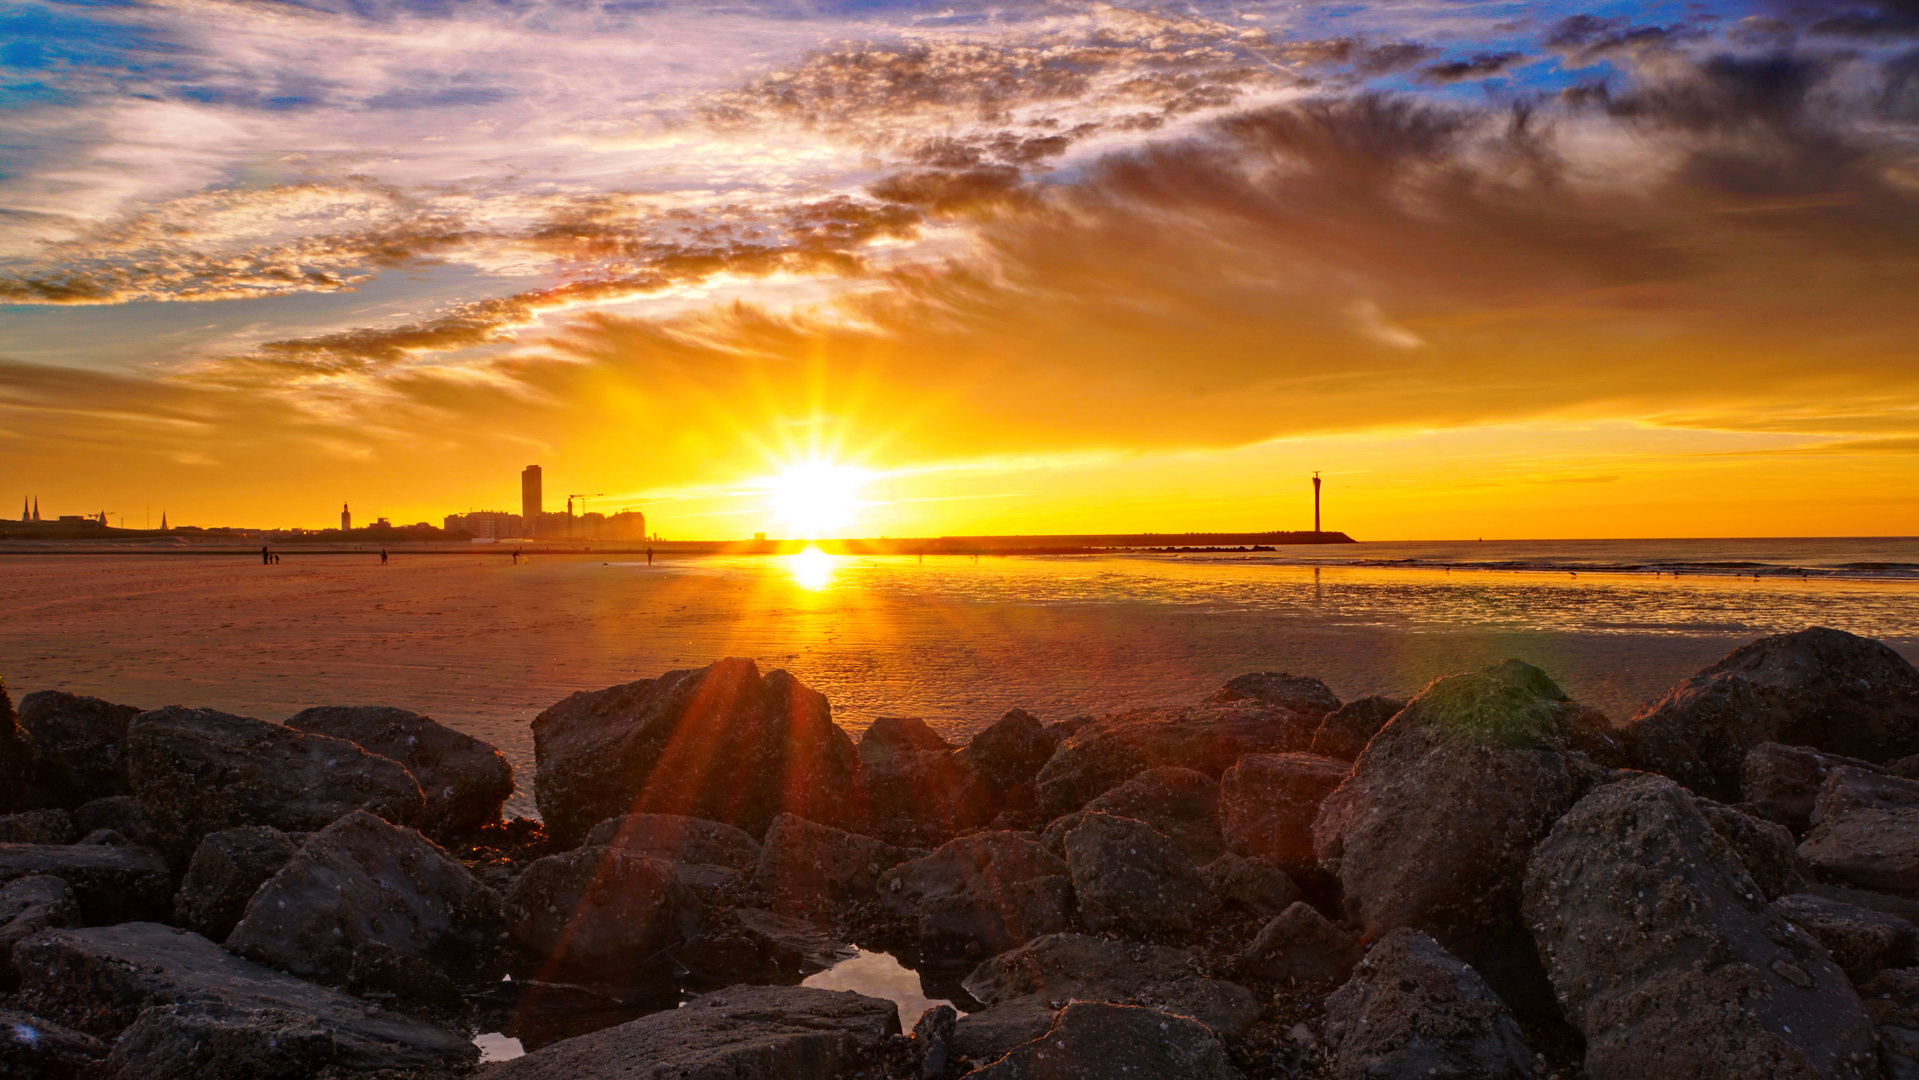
<point x="1495" y="269"/>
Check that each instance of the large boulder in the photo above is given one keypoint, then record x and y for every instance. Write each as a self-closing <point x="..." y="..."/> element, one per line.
<point x="16" y="759"/>
<point x="1667" y="958"/>
<point x="1107" y="752"/>
<point x="805" y="864"/>
<point x="211" y="1040"/>
<point x="1781" y="783"/>
<point x="1254" y="884"/>
<point x="1765" y="847"/>
<point x="1412" y="1010"/>
<point x="79" y="745"/>
<point x="916" y="791"/>
<point x="196" y="771"/>
<point x="1181" y="804"/>
<point x="1434" y="827"/>
<point x="1268" y="803"/>
<point x="740" y="1033"/>
<point x="678" y="839"/>
<point x="111" y="884"/>
<point x="1022" y="989"/>
<point x="1301" y="694"/>
<point x="228" y="867"/>
<point x="1345" y="732"/>
<point x="362" y="881"/>
<point x="101" y="979"/>
<point x="978" y="896"/>
<point x="1301" y="945"/>
<point x="1862" y="941"/>
<point x="760" y="946"/>
<point x="463" y="781"/>
<point x="602" y="913"/>
<point x="29" y="905"/>
<point x="888" y="736"/>
<point x="38" y="827"/>
<point x="1892" y="1000"/>
<point x="1010" y="751"/>
<point x="1097" y="1041"/>
<point x="1128" y="879"/>
<point x="35" y="1049"/>
<point x="1821" y="688"/>
<point x="721" y="743"/>
<point x="1865" y="832"/>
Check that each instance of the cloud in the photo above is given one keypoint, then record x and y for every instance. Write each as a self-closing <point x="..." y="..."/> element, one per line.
<point x="1477" y="66"/>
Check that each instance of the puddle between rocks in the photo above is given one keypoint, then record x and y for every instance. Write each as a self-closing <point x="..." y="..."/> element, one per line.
<point x="497" y="1047"/>
<point x="880" y="975"/>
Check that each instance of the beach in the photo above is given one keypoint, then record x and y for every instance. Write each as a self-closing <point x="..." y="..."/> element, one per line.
<point x="484" y="645"/>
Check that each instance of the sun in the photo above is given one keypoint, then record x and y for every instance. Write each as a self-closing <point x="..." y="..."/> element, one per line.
<point x="817" y="499"/>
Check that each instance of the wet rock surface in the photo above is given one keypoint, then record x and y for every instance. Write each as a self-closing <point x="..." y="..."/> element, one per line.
<point x="463" y="781"/>
<point x="979" y="896"/>
<point x="754" y="945"/>
<point x="1668" y="959"/>
<point x="1865" y="832"/>
<point x="29" y="905"/>
<point x="1413" y="1010"/>
<point x="228" y="867"/>
<point x="722" y="743"/>
<point x="80" y="745"/>
<point x="33" y="1048"/>
<point x="1094" y="1041"/>
<point x="1111" y="750"/>
<point x="1268" y="803"/>
<point x="110" y="884"/>
<point x="1180" y="804"/>
<point x="602" y="912"/>
<point x="1129" y="879"/>
<point x="1345" y="732"/>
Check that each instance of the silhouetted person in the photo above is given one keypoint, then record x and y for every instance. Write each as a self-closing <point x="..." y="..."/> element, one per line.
<point x="382" y="556"/>
<point x="649" y="556"/>
<point x="265" y="559"/>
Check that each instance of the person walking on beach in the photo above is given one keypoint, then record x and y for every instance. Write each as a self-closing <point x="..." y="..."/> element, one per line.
<point x="265" y="559"/>
<point x="382" y="556"/>
<point x="649" y="556"/>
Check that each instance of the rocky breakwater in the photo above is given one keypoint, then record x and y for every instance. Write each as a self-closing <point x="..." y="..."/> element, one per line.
<point x="1483" y="879"/>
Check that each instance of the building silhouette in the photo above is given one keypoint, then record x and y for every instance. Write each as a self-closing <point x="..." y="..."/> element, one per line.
<point x="346" y="518"/>
<point x="486" y="524"/>
<point x="531" y="502"/>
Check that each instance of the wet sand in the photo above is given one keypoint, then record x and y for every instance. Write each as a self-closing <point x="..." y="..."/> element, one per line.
<point x="484" y="645"/>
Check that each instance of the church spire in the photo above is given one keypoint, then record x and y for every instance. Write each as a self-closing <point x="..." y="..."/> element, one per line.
<point x="163" y="521"/>
<point x="36" y="508"/>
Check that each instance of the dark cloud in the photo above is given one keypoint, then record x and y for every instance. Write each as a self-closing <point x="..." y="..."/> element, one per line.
<point x="1585" y="39"/>
<point x="1477" y="66"/>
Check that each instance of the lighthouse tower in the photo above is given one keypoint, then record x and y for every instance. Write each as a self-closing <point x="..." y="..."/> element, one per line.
<point x="346" y="518"/>
<point x="1315" y="502"/>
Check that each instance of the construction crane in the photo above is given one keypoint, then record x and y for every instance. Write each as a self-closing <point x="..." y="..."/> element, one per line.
<point x="569" y="508"/>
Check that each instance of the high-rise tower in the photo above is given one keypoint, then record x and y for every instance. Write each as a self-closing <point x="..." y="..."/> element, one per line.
<point x="530" y="504"/>
<point x="1315" y="502"/>
<point x="346" y="518"/>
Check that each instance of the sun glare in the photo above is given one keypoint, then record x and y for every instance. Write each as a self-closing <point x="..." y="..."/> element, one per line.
<point x="817" y="499"/>
<point x="812" y="568"/>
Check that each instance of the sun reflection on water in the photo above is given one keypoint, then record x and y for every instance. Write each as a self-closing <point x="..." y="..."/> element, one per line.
<point x="812" y="568"/>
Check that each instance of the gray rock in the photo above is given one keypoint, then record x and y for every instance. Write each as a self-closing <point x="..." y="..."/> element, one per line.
<point x="101" y="979"/>
<point x="1412" y="1010"/>
<point x="1268" y="803"/>
<point x="35" y="1049"/>
<point x="1022" y="989"/>
<point x="719" y="743"/>
<point x="1765" y="847"/>
<point x="362" y="880"/>
<point x="678" y="839"/>
<point x="1781" y="783"/>
<point x="463" y="781"/>
<point x="1896" y="906"/>
<point x="1821" y="688"/>
<point x="1892" y="1000"/>
<point x="979" y="895"/>
<point x="210" y="1040"/>
<point x="740" y="1033"/>
<point x="79" y="743"/>
<point x="196" y="771"/>
<point x="1206" y="738"/>
<point x="1865" y="832"/>
<point x="38" y="827"/>
<point x="1301" y="694"/>
<point x="805" y="864"/>
<point x="228" y="867"/>
<point x="111" y="884"/>
<point x="1300" y="945"/>
<point x="17" y="790"/>
<point x="1094" y="1041"/>
<point x="602" y="913"/>
<point x="1181" y="804"/>
<point x="1862" y="941"/>
<point x="29" y="905"/>
<point x="1628" y="896"/>
<point x="1255" y="884"/>
<point x="1130" y="880"/>
<point x="933" y="1038"/>
<point x="1345" y="732"/>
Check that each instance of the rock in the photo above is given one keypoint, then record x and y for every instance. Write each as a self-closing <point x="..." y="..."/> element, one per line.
<point x="1781" y="783"/>
<point x="80" y="745"/>
<point x="1010" y="751"/>
<point x="1301" y="946"/>
<point x="1206" y="738"/>
<point x="1023" y="988"/>
<point x="1821" y="688"/>
<point x="754" y="945"/>
<point x="16" y="759"/>
<point x="1301" y="694"/>
<point x="36" y="1049"/>
<point x="917" y="791"/>
<point x="890" y="735"/>
<point x="1130" y="880"/>
<point x="979" y="895"/>
<point x="1434" y="826"/>
<point x="1765" y="847"/>
<point x="228" y="867"/>
<point x="1255" y="884"/>
<point x="29" y="905"/>
<point x="1628" y="896"/>
<point x="678" y="839"/>
<point x="602" y="913"/>
<point x="196" y="771"/>
<point x="1181" y="804"/>
<point x="719" y="743"/>
<point x="1412" y="1010"/>
<point x="107" y="838"/>
<point x="805" y="864"/>
<point x="101" y="979"/>
<point x="1346" y="731"/>
<point x="933" y="1037"/>
<point x="364" y="880"/>
<point x="111" y="884"/>
<point x="121" y="813"/>
<point x="1093" y="1041"/>
<point x="1268" y="803"/>
<point x="463" y="781"/>
<point x="1896" y="906"/>
<point x="1865" y="832"/>
<point x="1861" y="941"/>
<point x="38" y="827"/>
<point x="740" y="1033"/>
<point x="1892" y="1000"/>
<point x="217" y="1041"/>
